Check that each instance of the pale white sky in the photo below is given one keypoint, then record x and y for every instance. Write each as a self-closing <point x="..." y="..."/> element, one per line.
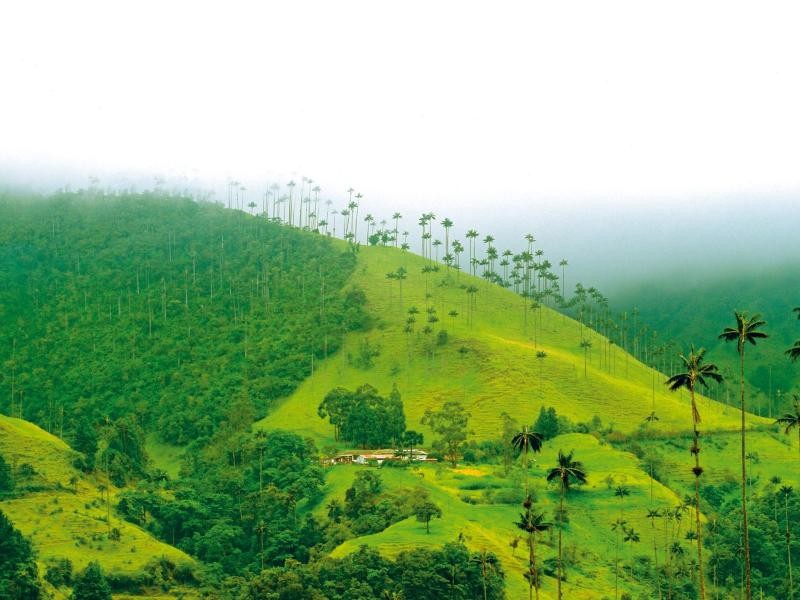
<point x="534" y="110"/>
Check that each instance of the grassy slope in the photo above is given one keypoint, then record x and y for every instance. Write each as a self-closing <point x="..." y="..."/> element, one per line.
<point x="490" y="527"/>
<point x="55" y="517"/>
<point x="500" y="372"/>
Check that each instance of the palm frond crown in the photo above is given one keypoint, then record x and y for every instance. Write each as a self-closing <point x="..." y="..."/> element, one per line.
<point x="790" y="420"/>
<point x="527" y="440"/>
<point x="746" y="330"/>
<point x="567" y="471"/>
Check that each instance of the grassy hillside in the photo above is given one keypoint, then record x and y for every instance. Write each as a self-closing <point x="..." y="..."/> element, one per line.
<point x="63" y="511"/>
<point x="490" y="363"/>
<point x="491" y="526"/>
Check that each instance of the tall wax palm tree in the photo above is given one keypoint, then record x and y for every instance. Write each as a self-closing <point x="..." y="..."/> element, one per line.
<point x="301" y="199"/>
<point x="527" y="441"/>
<point x="794" y="351"/>
<point x="430" y="217"/>
<point x="532" y="522"/>
<point x="370" y="221"/>
<point x="563" y="264"/>
<point x="436" y="244"/>
<point x="276" y="198"/>
<point x="618" y="527"/>
<point x="622" y="492"/>
<point x="530" y="239"/>
<point x="328" y="204"/>
<point x="654" y="514"/>
<point x="316" y="189"/>
<point x="291" y="185"/>
<point x="457" y="250"/>
<point x="567" y="472"/>
<point x="586" y="345"/>
<point x="472" y="235"/>
<point x="447" y="224"/>
<point x="423" y="222"/>
<point x="791" y="420"/>
<point x="540" y="356"/>
<point x="488" y="564"/>
<point x="786" y="491"/>
<point x="359" y="196"/>
<point x="396" y="216"/>
<point x="345" y="212"/>
<point x="746" y="331"/>
<point x="697" y="372"/>
<point x="633" y="537"/>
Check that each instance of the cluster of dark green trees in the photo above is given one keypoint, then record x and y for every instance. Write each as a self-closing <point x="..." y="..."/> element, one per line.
<point x="423" y="574"/>
<point x="773" y="516"/>
<point x="370" y="508"/>
<point x="363" y="417"/>
<point x="19" y="575"/>
<point x="240" y="515"/>
<point x="162" y="308"/>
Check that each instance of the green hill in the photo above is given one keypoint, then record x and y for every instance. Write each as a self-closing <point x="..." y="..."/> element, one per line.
<point x="161" y="308"/>
<point x="187" y="323"/>
<point x="489" y="363"/>
<point x="63" y="512"/>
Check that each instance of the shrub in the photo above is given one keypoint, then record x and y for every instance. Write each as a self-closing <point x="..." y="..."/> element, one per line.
<point x="59" y="572"/>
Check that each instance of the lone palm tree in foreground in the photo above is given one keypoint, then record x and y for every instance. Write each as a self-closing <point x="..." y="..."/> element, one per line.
<point x="791" y="420"/>
<point x="745" y="331"/>
<point x="696" y="373"/>
<point x="567" y="472"/>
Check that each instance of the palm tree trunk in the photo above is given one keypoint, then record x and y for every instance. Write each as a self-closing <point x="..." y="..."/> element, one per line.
<point x="560" y="529"/>
<point x="700" y="573"/>
<point x="789" y="549"/>
<point x="616" y="566"/>
<point x="696" y="451"/>
<point x="534" y="571"/>
<point x="745" y="536"/>
<point x="655" y="557"/>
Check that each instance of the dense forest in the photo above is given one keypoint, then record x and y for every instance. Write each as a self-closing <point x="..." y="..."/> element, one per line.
<point x="165" y="311"/>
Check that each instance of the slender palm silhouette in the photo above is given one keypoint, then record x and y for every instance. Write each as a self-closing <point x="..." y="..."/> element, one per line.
<point x="567" y="472"/>
<point x="532" y="522"/>
<point x="618" y="527"/>
<point x="786" y="491"/>
<point x="527" y="441"/>
<point x="791" y="420"/>
<point x="696" y="372"/>
<point x="746" y="331"/>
